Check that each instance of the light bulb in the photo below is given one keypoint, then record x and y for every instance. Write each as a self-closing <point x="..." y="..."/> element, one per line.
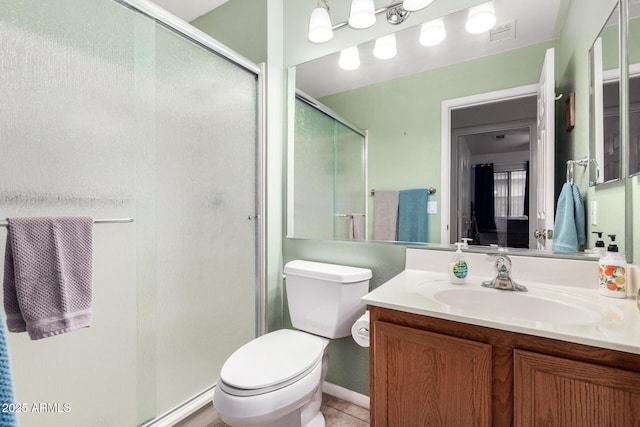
<point x="481" y="18"/>
<point x="413" y="5"/>
<point x="349" y="58"/>
<point x="432" y="32"/>
<point x="320" y="26"/>
<point x="385" y="47"/>
<point x="363" y="14"/>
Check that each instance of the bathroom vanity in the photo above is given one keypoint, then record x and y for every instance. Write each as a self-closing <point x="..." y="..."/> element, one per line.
<point x="442" y="355"/>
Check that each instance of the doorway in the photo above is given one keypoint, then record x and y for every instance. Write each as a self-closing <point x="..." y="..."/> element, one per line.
<point x="493" y="191"/>
<point x="492" y="172"/>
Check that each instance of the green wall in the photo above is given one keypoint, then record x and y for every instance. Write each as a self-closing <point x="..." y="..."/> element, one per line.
<point x="239" y="24"/>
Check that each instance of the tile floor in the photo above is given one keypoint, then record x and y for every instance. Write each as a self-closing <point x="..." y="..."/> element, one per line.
<point x="337" y="413"/>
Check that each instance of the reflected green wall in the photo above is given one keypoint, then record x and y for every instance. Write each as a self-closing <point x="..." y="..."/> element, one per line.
<point x="403" y="117"/>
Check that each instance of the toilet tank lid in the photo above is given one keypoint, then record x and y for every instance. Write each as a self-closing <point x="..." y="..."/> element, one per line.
<point x="329" y="272"/>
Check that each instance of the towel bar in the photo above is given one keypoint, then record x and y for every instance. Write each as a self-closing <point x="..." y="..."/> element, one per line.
<point x="585" y="161"/>
<point x="431" y="190"/>
<point x="95" y="221"/>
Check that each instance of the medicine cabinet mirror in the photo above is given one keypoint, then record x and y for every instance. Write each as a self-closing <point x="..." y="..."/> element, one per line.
<point x="605" y="102"/>
<point x="634" y="88"/>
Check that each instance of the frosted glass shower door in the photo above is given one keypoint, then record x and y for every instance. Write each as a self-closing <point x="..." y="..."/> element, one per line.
<point x="205" y="180"/>
<point x="314" y="164"/>
<point x="106" y="112"/>
<point x="328" y="179"/>
<point x="350" y="180"/>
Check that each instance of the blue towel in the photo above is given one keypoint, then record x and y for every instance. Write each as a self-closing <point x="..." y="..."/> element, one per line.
<point x="569" y="229"/>
<point x="412" y="215"/>
<point x="7" y="418"/>
<point x="578" y="211"/>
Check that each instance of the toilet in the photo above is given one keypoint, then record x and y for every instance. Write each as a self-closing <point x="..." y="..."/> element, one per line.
<point x="276" y="379"/>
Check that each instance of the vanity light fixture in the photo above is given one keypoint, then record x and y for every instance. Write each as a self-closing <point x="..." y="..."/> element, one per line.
<point x="349" y="58"/>
<point x="320" y="30"/>
<point x="362" y="14"/>
<point x="481" y="18"/>
<point x="385" y="47"/>
<point x="432" y="32"/>
<point x="397" y="14"/>
<point x="413" y="5"/>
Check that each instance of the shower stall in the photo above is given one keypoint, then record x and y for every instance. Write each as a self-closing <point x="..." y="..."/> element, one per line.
<point x="115" y="109"/>
<point x="327" y="162"/>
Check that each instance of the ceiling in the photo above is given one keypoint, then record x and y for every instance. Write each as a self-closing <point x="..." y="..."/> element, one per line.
<point x="188" y="10"/>
<point x="534" y="21"/>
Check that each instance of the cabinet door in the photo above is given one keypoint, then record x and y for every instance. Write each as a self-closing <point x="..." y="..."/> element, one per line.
<point x="426" y="379"/>
<point x="552" y="391"/>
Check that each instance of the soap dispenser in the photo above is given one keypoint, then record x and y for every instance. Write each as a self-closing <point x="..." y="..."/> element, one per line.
<point x="458" y="267"/>
<point x="613" y="272"/>
<point x="599" y="248"/>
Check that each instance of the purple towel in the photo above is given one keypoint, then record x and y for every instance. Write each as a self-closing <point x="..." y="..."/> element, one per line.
<point x="47" y="275"/>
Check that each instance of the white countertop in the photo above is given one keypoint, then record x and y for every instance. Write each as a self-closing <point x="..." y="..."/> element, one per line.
<point x="615" y="324"/>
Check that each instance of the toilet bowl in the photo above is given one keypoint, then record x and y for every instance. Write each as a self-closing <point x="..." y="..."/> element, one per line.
<point x="283" y="380"/>
<point x="276" y="379"/>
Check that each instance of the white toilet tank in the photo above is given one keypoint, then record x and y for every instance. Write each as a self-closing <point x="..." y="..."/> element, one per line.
<point x="324" y="299"/>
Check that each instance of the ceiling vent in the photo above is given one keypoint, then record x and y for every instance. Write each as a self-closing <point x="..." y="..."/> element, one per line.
<point x="506" y="31"/>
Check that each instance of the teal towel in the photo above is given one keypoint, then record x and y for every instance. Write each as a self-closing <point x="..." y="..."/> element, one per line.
<point x="412" y="215"/>
<point x="578" y="213"/>
<point x="569" y="229"/>
<point x="7" y="418"/>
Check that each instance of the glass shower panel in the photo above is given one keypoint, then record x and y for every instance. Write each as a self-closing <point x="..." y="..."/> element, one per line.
<point x="206" y="133"/>
<point x="313" y="180"/>
<point x="67" y="115"/>
<point x="350" y="185"/>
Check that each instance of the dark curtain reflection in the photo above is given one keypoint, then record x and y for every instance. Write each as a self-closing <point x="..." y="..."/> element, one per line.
<point x="483" y="198"/>
<point x="526" y="188"/>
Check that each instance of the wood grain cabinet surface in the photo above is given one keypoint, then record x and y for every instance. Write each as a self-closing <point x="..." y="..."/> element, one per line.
<point x="432" y="372"/>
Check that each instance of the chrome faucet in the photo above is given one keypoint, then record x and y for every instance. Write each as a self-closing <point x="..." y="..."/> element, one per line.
<point x="503" y="279"/>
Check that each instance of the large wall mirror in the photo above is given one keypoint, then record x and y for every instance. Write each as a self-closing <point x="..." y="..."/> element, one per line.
<point x="482" y="94"/>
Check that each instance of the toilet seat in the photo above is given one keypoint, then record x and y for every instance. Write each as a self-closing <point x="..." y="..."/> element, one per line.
<point x="271" y="362"/>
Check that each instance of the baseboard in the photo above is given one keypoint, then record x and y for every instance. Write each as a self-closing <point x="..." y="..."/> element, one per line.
<point x="204" y="398"/>
<point x="346" y="394"/>
<point x="179" y="413"/>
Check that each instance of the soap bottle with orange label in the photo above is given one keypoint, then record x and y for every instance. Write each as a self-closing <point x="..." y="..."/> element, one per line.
<point x="613" y="272"/>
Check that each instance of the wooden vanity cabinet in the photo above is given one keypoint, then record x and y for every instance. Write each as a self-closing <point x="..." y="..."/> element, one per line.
<point x="432" y="372"/>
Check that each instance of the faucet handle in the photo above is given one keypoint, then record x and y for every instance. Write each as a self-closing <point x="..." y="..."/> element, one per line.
<point x="503" y="266"/>
<point x="503" y="280"/>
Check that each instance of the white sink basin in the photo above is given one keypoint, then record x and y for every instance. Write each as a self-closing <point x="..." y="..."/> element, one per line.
<point x="552" y="308"/>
